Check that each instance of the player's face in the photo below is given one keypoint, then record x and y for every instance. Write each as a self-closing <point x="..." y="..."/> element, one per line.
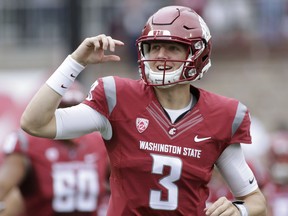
<point x="159" y="51"/>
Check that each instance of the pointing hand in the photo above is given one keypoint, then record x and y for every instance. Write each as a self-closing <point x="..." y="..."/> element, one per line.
<point x="91" y="50"/>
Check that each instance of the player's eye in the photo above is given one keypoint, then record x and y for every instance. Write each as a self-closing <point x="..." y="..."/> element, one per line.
<point x="155" y="47"/>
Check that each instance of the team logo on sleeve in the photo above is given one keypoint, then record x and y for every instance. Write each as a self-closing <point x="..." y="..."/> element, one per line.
<point x="141" y="124"/>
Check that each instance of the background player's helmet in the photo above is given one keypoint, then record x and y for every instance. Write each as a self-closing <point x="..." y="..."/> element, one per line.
<point x="176" y="24"/>
<point x="73" y="96"/>
<point x="279" y="157"/>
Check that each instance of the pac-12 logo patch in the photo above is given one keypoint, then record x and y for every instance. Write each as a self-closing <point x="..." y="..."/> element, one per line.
<point x="141" y="124"/>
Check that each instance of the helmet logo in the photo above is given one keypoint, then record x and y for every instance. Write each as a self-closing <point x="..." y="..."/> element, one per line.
<point x="159" y="33"/>
<point x="141" y="124"/>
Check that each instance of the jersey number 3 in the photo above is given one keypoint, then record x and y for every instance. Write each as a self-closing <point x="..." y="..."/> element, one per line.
<point x="159" y="162"/>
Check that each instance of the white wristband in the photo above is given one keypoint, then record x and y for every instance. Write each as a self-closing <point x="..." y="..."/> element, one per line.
<point x="65" y="75"/>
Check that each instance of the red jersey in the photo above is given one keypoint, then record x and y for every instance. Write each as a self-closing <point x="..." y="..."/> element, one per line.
<point x="160" y="168"/>
<point x="63" y="178"/>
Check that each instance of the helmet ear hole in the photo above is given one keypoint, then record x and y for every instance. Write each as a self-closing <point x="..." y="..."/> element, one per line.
<point x="189" y="72"/>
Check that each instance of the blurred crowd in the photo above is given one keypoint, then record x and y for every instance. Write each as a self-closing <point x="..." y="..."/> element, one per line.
<point x="261" y="22"/>
<point x="41" y="22"/>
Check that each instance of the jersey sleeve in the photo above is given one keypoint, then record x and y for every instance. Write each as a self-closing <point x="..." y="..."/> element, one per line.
<point x="114" y="96"/>
<point x="240" y="130"/>
<point x="227" y="119"/>
<point x="102" y="95"/>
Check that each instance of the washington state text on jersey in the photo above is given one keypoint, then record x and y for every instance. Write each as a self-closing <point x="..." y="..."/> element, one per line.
<point x="157" y="147"/>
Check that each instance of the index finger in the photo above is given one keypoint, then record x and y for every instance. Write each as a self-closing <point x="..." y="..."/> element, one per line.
<point x="113" y="42"/>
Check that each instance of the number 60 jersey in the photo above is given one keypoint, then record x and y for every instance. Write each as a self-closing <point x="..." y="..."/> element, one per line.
<point x="160" y="168"/>
<point x="63" y="177"/>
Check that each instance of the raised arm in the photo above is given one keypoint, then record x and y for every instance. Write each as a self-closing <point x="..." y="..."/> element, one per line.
<point x="38" y="119"/>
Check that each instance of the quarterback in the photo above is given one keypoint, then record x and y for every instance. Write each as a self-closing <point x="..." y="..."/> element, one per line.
<point x="163" y="135"/>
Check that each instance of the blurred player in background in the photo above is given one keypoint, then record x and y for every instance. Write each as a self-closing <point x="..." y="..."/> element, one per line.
<point x="276" y="190"/>
<point x="163" y="135"/>
<point x="12" y="204"/>
<point x="57" y="177"/>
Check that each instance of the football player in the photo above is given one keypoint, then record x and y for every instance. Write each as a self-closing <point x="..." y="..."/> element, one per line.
<point x="57" y="177"/>
<point x="163" y="135"/>
<point x="276" y="190"/>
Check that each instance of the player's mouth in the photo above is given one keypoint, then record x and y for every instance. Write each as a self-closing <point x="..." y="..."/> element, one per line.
<point x="162" y="67"/>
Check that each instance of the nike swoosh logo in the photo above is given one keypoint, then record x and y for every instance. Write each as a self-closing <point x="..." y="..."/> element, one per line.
<point x="252" y="180"/>
<point x="62" y="86"/>
<point x="196" y="139"/>
<point x="72" y="75"/>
